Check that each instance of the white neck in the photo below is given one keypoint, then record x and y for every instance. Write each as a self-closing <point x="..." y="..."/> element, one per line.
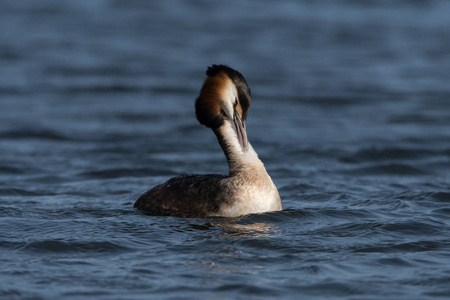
<point x="238" y="160"/>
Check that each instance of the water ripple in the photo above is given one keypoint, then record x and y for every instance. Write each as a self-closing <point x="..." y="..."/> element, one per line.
<point x="386" y="154"/>
<point x="408" y="247"/>
<point x="386" y="169"/>
<point x="33" y="133"/>
<point x="57" y="246"/>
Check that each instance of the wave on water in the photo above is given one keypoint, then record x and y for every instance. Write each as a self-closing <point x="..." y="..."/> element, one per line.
<point x="126" y="172"/>
<point x="389" y="154"/>
<point x="34" y="133"/>
<point x="58" y="246"/>
<point x="386" y="170"/>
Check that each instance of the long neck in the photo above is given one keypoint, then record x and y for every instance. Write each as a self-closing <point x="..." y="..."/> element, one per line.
<point x="238" y="160"/>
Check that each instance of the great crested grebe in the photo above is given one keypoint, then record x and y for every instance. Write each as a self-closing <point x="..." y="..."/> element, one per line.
<point x="223" y="105"/>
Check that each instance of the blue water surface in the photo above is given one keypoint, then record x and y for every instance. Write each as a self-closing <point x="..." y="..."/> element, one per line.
<point x="350" y="114"/>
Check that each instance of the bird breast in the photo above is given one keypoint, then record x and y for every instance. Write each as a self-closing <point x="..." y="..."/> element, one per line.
<point x="249" y="192"/>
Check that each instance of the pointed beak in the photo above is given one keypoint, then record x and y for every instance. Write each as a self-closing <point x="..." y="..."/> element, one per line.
<point x="239" y="127"/>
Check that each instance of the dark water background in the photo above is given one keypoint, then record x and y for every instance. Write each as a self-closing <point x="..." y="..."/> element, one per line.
<point x="351" y="115"/>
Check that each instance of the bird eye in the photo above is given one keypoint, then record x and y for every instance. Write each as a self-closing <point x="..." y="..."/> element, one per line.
<point x="235" y="101"/>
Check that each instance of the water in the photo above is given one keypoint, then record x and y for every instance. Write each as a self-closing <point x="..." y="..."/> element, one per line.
<point x="350" y="115"/>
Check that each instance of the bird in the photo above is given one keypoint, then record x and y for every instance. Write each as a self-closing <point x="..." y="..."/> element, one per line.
<point x="222" y="106"/>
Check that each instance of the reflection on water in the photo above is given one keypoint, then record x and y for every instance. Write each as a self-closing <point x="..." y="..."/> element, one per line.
<point x="258" y="229"/>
